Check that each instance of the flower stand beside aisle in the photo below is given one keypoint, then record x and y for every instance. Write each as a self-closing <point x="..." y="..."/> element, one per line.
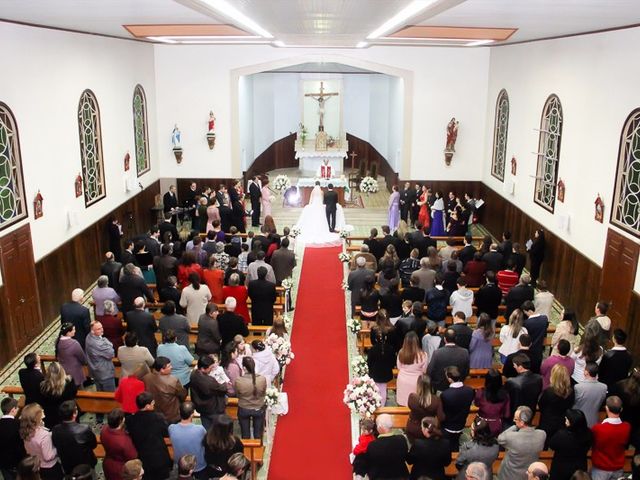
<point x="362" y="396"/>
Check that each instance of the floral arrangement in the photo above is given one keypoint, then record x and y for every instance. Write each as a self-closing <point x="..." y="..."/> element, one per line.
<point x="303" y="132"/>
<point x="271" y="398"/>
<point x="281" y="183"/>
<point x="368" y="185"/>
<point x="362" y="396"/>
<point x="344" y="257"/>
<point x="295" y="231"/>
<point x="359" y="366"/>
<point x="344" y="285"/>
<point x="354" y="325"/>
<point x="288" y="321"/>
<point x="281" y="348"/>
<point x="287" y="283"/>
<point x="344" y="234"/>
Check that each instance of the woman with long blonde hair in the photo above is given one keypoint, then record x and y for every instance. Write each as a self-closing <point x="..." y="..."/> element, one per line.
<point x="37" y="441"/>
<point x="510" y="334"/>
<point x="422" y="403"/>
<point x="411" y="363"/>
<point x="56" y="388"/>
<point x="556" y="400"/>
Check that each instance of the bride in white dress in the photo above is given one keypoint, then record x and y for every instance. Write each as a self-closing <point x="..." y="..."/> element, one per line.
<point x="313" y="225"/>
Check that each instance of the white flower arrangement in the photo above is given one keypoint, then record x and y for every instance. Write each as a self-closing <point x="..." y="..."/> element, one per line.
<point x="271" y="398"/>
<point x="368" y="185"/>
<point x="354" y="325"/>
<point x="287" y="283"/>
<point x="359" y="366"/>
<point x="344" y="257"/>
<point x="288" y="321"/>
<point x="362" y="396"/>
<point x="344" y="285"/>
<point x="344" y="234"/>
<point x="281" y="348"/>
<point x="295" y="231"/>
<point x="281" y="183"/>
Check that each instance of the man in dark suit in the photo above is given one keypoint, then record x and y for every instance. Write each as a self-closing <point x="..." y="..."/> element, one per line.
<point x="387" y="239"/>
<point x="506" y="247"/>
<point x="509" y="370"/>
<point x="168" y="226"/>
<point x="386" y="456"/>
<point x="468" y="251"/>
<point x="617" y="362"/>
<point x="132" y="286"/>
<point x="331" y="202"/>
<point x="11" y="445"/>
<point x="221" y="194"/>
<point x="375" y="248"/>
<point x="450" y="206"/>
<point x="170" y="203"/>
<point x="447" y="356"/>
<point x="519" y="294"/>
<point x="230" y="323"/>
<point x="536" y="324"/>
<point x="283" y="261"/>
<point x="30" y="378"/>
<point x="414" y="195"/>
<point x="456" y="403"/>
<point x="489" y="297"/>
<point x="405" y="203"/>
<point x="493" y="259"/>
<point x="74" y="441"/>
<point x="111" y="269"/>
<point x="263" y="295"/>
<point x="144" y="325"/>
<point x="127" y="254"/>
<point x="176" y="322"/>
<point x="255" y="194"/>
<point x="524" y="389"/>
<point x="152" y="241"/>
<point x="77" y="314"/>
<point x="164" y="266"/>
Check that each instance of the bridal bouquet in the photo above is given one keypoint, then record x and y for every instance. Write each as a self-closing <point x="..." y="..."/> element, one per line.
<point x="359" y="366"/>
<point x="362" y="396"/>
<point x="281" y="183"/>
<point x="271" y="397"/>
<point x="295" y="231"/>
<point x="344" y="257"/>
<point x="344" y="234"/>
<point x="287" y="283"/>
<point x="354" y="325"/>
<point x="281" y="348"/>
<point x="368" y="185"/>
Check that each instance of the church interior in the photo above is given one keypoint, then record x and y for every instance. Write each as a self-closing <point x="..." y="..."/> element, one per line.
<point x="106" y="105"/>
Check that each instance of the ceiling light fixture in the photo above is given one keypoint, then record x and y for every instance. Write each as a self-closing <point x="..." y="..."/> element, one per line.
<point x="478" y="43"/>
<point x="409" y="11"/>
<point x="226" y="9"/>
<point x="279" y="43"/>
<point x="223" y="42"/>
<point x="211" y="37"/>
<point x="361" y="44"/>
<point x="162" y="39"/>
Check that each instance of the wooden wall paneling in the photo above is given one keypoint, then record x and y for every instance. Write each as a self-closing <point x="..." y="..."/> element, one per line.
<point x="633" y="341"/>
<point x="367" y="152"/>
<point x="280" y="154"/>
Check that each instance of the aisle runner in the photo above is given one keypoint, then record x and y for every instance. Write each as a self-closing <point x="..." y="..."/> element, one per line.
<point x="314" y="440"/>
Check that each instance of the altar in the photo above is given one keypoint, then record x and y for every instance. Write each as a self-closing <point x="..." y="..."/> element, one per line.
<point x="340" y="185"/>
<point x="311" y="160"/>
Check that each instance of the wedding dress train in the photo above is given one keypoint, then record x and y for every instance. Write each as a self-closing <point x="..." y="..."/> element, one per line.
<point x="313" y="225"/>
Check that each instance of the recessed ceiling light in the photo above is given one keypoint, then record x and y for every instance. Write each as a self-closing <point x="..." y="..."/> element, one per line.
<point x="279" y="43"/>
<point x="409" y="11"/>
<point x="162" y="39"/>
<point x="361" y="44"/>
<point x="477" y="43"/>
<point x="225" y="8"/>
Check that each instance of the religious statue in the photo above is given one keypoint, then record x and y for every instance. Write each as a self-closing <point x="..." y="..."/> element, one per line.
<point x="561" y="191"/>
<point x="37" y="205"/>
<point x="78" y="185"/>
<point x="452" y="136"/>
<point x="211" y="135"/>
<point x="321" y="98"/>
<point x="127" y="160"/>
<point x="212" y="121"/>
<point x="599" y="203"/>
<point x="175" y="137"/>
<point x="514" y="166"/>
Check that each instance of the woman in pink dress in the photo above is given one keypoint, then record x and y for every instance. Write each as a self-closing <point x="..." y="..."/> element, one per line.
<point x="411" y="363"/>
<point x="266" y="198"/>
<point x="213" y="214"/>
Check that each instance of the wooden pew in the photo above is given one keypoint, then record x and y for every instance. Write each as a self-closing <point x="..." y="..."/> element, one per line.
<point x="476" y="240"/>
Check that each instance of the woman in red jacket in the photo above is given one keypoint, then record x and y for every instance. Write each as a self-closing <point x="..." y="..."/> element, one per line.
<point x="118" y="446"/>
<point x="239" y="292"/>
<point x="186" y="266"/>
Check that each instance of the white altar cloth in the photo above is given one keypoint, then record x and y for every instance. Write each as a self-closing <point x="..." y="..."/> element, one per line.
<point x="310" y="182"/>
<point x="310" y="161"/>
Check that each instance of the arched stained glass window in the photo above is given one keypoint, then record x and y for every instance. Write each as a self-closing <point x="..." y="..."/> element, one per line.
<point x="91" y="148"/>
<point x="12" y="205"/>
<point x="140" y="130"/>
<point x="549" y="153"/>
<point x="500" y="131"/>
<point x="626" y="198"/>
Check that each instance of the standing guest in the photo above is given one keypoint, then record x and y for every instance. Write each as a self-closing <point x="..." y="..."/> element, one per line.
<point x="208" y="341"/>
<point x="178" y="355"/>
<point x="405" y="202"/>
<point x="186" y="266"/>
<point x="450" y="276"/>
<point x="130" y="387"/>
<point x="30" y="377"/>
<point x="77" y="314"/>
<point x="449" y="355"/>
<point x="462" y="299"/>
<point x="386" y="455"/>
<point x="489" y="297"/>
<point x="230" y="323"/>
<point x="616" y="363"/>
<point x="431" y="454"/>
<point x="482" y="447"/>
<point x="166" y="390"/>
<point x="104" y="292"/>
<point x="11" y="446"/>
<point x="252" y="269"/>
<point x="207" y="393"/>
<point x="391" y="300"/>
<point x="408" y="266"/>
<point x="431" y="341"/>
<point x="220" y="444"/>
<point x="411" y="364"/>
<point x="56" y="388"/>
<point x="374" y="245"/>
<point x="519" y="294"/>
<point x="38" y="443"/>
<point x="543" y="299"/>
<point x="369" y="300"/>
<point x="231" y="269"/>
<point x="74" y="441"/>
<point x="356" y="281"/>
<point x="524" y="389"/>
<point x="536" y="325"/>
<point x="437" y="212"/>
<point x="570" y="446"/>
<point x="113" y="328"/>
<point x="359" y="463"/>
<point x="111" y="268"/>
<point x="132" y="355"/>
<point x="266" y="363"/>
<point x="493" y="401"/>
<point x="629" y="392"/>
<point x="266" y="198"/>
<point x="481" y="346"/>
<point x="508" y="278"/>
<point x="456" y="403"/>
<point x="187" y="438"/>
<point x="381" y="358"/>
<point x="610" y="439"/>
<point x="413" y="293"/>
<point x="283" y="261"/>
<point x="519" y="260"/>
<point x="128" y="256"/>
<point x="195" y="298"/>
<point x="176" y="322"/>
<point x="221" y="257"/>
<point x="100" y="355"/>
<point x="263" y="296"/>
<point x="251" y="390"/>
<point x="426" y="275"/>
<point x="474" y="270"/>
<point x="506" y="247"/>
<point x="132" y="470"/>
<point x="493" y="259"/>
<point x="462" y="329"/>
<point x="171" y="292"/>
<point x="510" y="335"/>
<point x="70" y="354"/>
<point x="229" y="363"/>
<point x="467" y="253"/>
<point x="523" y="444"/>
<point x="590" y="393"/>
<point x="393" y="217"/>
<point x="239" y="294"/>
<point x="560" y="358"/>
<point x="601" y="323"/>
<point x="587" y="351"/>
<point x="555" y="401"/>
<point x="536" y="254"/>
<point x="148" y="429"/>
<point x="255" y="193"/>
<point x="133" y="286"/>
<point x="565" y="329"/>
<point x="422" y="403"/>
<point x="117" y="444"/>
<point x="164" y="266"/>
<point x="213" y="278"/>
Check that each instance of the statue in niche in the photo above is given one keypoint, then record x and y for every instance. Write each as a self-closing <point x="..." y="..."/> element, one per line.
<point x="599" y="203"/>
<point x="514" y="166"/>
<point x="561" y="191"/>
<point x="175" y="136"/>
<point x="452" y="136"/>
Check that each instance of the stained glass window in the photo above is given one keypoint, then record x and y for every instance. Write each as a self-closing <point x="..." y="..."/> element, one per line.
<point x="91" y="148"/>
<point x="12" y="204"/>
<point x="626" y="204"/>
<point x="500" y="130"/>
<point x="549" y="153"/>
<point x="140" y="130"/>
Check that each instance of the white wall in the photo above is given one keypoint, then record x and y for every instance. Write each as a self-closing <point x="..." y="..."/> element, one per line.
<point x="356" y="104"/>
<point x="45" y="73"/>
<point x="595" y="77"/>
<point x="396" y="125"/>
<point x="245" y="112"/>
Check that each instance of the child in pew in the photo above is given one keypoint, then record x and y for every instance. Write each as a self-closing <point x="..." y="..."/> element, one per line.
<point x="242" y="347"/>
<point x="218" y="372"/>
<point x="367" y="429"/>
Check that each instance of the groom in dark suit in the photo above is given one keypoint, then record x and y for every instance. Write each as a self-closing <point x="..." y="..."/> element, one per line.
<point x="331" y="200"/>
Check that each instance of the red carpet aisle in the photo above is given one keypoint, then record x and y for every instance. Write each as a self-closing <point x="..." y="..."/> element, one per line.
<point x="313" y="440"/>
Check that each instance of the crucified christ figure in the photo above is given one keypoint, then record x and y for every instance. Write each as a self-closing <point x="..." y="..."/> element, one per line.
<point x="321" y="98"/>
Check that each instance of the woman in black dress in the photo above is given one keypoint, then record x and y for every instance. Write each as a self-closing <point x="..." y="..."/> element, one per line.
<point x="555" y="401"/>
<point x="570" y="445"/>
<point x="219" y="444"/>
<point x="430" y="455"/>
<point x="56" y="388"/>
<point x="536" y="255"/>
<point x="381" y="358"/>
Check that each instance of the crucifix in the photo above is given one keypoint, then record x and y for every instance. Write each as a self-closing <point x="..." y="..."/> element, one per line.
<point x="321" y="98"/>
<point x="353" y="156"/>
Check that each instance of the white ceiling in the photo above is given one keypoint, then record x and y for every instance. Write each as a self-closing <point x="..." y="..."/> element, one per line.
<point x="341" y="23"/>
